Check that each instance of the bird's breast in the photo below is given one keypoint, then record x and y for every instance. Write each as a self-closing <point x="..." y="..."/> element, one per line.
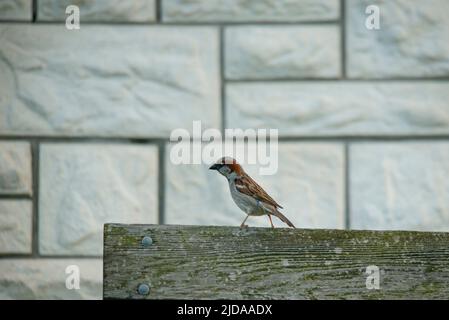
<point x="246" y="203"/>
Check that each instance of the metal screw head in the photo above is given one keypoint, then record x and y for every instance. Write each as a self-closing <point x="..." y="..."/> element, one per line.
<point x="147" y="241"/>
<point x="143" y="289"/>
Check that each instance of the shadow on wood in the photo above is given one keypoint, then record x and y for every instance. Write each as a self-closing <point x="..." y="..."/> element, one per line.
<point x="205" y="262"/>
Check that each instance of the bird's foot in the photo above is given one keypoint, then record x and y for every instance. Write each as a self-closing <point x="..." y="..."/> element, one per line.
<point x="243" y="226"/>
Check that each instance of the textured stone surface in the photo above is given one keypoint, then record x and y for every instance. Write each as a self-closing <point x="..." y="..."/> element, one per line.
<point x="308" y="184"/>
<point x="16" y="10"/>
<point x="413" y="39"/>
<point x="347" y="108"/>
<point x="282" y="52"/>
<point x="46" y="279"/>
<point x="108" y="81"/>
<point x="15" y="226"/>
<point x="240" y="11"/>
<point x="400" y="186"/>
<point x="15" y="167"/>
<point x="82" y="186"/>
<point x="99" y="10"/>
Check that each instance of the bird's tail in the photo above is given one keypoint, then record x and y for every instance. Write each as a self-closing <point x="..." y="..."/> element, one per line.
<point x="284" y="219"/>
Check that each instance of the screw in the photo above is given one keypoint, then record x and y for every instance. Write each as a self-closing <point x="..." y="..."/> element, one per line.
<point x="143" y="289"/>
<point x="147" y="241"/>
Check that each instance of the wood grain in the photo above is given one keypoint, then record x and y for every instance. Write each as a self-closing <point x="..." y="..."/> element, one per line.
<point x="207" y="262"/>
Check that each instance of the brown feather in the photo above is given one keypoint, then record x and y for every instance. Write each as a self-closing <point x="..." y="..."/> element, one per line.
<point x="232" y="164"/>
<point x="284" y="219"/>
<point x="248" y="186"/>
<point x="235" y="167"/>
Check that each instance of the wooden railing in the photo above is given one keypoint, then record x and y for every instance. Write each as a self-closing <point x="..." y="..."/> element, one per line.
<point x="206" y="262"/>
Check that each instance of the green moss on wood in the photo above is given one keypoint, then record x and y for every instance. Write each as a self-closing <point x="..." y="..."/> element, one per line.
<point x="226" y="262"/>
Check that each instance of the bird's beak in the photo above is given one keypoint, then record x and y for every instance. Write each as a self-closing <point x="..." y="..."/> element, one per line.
<point x="215" y="167"/>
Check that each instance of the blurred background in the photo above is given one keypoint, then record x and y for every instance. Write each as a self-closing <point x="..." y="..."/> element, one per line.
<point x="86" y="115"/>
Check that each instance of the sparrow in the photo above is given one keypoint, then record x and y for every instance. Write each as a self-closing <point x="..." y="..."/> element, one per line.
<point x="246" y="193"/>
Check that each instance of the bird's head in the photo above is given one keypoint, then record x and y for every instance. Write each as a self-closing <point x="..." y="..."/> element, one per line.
<point x="228" y="167"/>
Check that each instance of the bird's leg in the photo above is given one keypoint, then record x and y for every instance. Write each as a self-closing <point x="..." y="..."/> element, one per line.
<point x="271" y="222"/>
<point x="243" y="225"/>
<point x="269" y="216"/>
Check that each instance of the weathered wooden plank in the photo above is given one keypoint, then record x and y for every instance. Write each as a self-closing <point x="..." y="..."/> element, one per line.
<point x="201" y="262"/>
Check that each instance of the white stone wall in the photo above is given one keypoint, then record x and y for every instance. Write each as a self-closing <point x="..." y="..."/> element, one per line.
<point x="85" y="119"/>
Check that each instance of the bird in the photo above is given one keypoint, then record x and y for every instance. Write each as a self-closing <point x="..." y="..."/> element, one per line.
<point x="247" y="194"/>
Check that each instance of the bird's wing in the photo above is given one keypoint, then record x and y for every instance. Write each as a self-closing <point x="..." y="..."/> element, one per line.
<point x="245" y="184"/>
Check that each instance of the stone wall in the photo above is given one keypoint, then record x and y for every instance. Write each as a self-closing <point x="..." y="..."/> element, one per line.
<point x="85" y="116"/>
